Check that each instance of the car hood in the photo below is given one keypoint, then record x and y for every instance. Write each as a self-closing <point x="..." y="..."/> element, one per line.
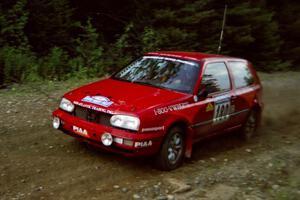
<point x="121" y="96"/>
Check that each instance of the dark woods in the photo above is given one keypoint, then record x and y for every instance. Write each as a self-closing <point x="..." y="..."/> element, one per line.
<point x="62" y="39"/>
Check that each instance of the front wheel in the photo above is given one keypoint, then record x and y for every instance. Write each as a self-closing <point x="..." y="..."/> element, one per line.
<point x="172" y="152"/>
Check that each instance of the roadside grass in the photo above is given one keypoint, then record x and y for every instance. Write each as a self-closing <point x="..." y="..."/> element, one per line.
<point x="45" y="87"/>
<point x="286" y="194"/>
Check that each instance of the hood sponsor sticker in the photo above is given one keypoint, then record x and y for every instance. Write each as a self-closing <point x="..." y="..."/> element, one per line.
<point x="94" y="107"/>
<point x="98" y="100"/>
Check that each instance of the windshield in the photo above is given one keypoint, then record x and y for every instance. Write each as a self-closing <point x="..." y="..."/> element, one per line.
<point x="162" y="72"/>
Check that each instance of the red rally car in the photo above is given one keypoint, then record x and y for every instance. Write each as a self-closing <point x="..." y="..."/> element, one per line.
<point x="162" y="103"/>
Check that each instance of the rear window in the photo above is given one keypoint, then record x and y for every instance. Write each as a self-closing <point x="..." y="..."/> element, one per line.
<point x="242" y="76"/>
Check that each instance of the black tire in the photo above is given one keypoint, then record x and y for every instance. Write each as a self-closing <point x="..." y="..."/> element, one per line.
<point x="172" y="151"/>
<point x="249" y="129"/>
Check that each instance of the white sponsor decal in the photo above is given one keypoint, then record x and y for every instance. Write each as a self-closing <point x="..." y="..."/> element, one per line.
<point x="205" y="101"/>
<point x="93" y="107"/>
<point x="172" y="59"/>
<point x="143" y="144"/>
<point x="222" y="98"/>
<point x="80" y="131"/>
<point x="98" y="100"/>
<point x="170" y="108"/>
<point x="153" y="129"/>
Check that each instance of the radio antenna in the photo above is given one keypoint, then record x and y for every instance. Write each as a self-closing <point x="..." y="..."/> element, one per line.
<point x="222" y="31"/>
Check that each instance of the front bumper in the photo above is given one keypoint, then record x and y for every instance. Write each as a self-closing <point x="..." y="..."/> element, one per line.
<point x="142" y="143"/>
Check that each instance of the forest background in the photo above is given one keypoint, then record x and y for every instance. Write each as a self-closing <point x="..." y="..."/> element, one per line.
<point x="63" y="39"/>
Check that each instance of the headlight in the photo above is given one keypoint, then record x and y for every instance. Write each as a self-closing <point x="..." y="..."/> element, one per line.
<point x="124" y="121"/>
<point x="66" y="105"/>
<point x="56" y="122"/>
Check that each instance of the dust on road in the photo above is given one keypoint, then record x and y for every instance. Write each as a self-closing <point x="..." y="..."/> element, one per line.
<point x="37" y="162"/>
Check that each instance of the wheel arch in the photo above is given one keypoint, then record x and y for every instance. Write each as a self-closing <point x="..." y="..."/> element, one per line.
<point x="188" y="134"/>
<point x="258" y="109"/>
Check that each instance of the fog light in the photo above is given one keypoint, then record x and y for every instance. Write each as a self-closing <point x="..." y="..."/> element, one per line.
<point x="118" y="140"/>
<point x="107" y="139"/>
<point x="128" y="142"/>
<point x="56" y="122"/>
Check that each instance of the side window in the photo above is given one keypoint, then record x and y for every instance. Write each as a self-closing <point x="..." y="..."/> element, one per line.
<point x="241" y="74"/>
<point x="215" y="78"/>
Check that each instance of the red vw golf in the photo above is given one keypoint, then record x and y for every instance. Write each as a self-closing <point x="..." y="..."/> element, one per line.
<point x="162" y="103"/>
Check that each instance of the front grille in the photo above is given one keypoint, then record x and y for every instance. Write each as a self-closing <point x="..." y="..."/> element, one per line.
<point x="92" y="116"/>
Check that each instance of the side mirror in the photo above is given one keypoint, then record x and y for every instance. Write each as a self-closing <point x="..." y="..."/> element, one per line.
<point x="202" y="94"/>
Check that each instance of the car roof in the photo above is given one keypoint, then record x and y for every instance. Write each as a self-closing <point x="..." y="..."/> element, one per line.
<point x="190" y="55"/>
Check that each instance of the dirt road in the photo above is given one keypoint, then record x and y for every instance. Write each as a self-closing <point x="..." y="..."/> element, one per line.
<point x="37" y="162"/>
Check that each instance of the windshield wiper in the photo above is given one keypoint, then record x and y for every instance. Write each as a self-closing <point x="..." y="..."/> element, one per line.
<point x="143" y="83"/>
<point x="159" y="86"/>
<point x="149" y="84"/>
<point x="120" y="79"/>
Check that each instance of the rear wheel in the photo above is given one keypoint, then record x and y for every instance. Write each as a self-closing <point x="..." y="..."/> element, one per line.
<point x="249" y="129"/>
<point x="172" y="151"/>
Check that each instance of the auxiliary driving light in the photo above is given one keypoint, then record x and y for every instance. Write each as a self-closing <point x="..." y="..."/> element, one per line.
<point x="107" y="139"/>
<point x="123" y="141"/>
<point x="128" y="142"/>
<point x="56" y="122"/>
<point x="118" y="140"/>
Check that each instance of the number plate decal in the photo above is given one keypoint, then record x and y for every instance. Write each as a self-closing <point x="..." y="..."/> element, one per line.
<point x="222" y="110"/>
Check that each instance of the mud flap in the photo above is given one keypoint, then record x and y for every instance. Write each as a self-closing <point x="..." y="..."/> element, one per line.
<point x="189" y="143"/>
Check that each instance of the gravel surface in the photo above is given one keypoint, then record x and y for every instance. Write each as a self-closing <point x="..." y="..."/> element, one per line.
<point x="37" y="162"/>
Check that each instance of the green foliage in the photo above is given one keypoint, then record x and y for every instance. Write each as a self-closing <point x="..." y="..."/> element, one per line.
<point x="56" y="39"/>
<point x="250" y="30"/>
<point x="49" y="25"/>
<point x="15" y="57"/>
<point x="54" y="66"/>
<point x="89" y="53"/>
<point x="12" y="25"/>
<point x="288" y="16"/>
<point x="150" y="40"/>
<point x="189" y="27"/>
<point x="78" y="69"/>
<point x="125" y="47"/>
<point x="17" y="64"/>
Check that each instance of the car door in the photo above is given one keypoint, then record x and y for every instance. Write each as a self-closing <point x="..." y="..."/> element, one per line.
<point x="244" y="91"/>
<point x="214" y="112"/>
